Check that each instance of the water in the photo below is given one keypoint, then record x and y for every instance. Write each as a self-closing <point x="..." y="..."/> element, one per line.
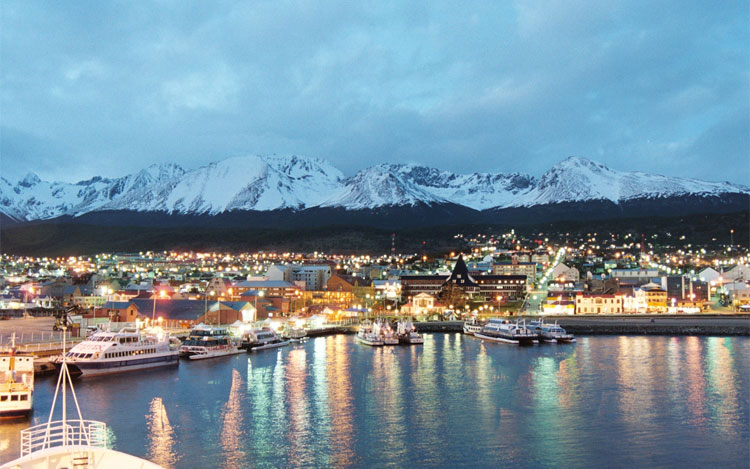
<point x="453" y="402"/>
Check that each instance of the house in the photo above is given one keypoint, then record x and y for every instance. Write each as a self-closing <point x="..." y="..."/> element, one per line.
<point x="514" y="267"/>
<point x="315" y="276"/>
<point x="423" y="304"/>
<point x="564" y="273"/>
<point x="599" y="303"/>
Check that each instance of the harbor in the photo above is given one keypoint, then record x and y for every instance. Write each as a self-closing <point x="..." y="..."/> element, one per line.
<point x="332" y="402"/>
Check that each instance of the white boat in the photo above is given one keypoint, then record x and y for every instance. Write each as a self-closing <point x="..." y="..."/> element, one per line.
<point x="472" y="326"/>
<point x="367" y="336"/>
<point x="295" y="335"/>
<point x="70" y="443"/>
<point x="498" y="330"/>
<point x="407" y="333"/>
<point x="126" y="350"/>
<point x="553" y="333"/>
<point x="16" y="384"/>
<point x="208" y="342"/>
<point x="262" y="339"/>
<point x="384" y="330"/>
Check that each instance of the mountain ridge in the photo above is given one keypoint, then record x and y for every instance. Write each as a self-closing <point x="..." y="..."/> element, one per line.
<point x="270" y="183"/>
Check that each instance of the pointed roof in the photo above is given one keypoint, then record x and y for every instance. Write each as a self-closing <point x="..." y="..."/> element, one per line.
<point x="460" y="275"/>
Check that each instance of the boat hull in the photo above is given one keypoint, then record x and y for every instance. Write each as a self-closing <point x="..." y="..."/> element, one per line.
<point x="106" y="367"/>
<point x="214" y="354"/>
<point x="258" y="348"/>
<point x="370" y="342"/>
<point x="506" y="339"/>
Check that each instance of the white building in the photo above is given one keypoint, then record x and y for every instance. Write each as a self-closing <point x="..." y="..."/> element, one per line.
<point x="315" y="276"/>
<point x="563" y="272"/>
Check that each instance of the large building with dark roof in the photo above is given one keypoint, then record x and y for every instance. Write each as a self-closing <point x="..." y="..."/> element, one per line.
<point x="485" y="288"/>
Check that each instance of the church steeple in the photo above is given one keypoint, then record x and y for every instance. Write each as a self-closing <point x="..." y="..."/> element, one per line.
<point x="460" y="275"/>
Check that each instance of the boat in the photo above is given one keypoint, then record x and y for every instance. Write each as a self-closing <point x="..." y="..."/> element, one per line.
<point x="385" y="331"/>
<point x="368" y="336"/>
<point x="407" y="333"/>
<point x="126" y="350"/>
<point x="552" y="333"/>
<point x="262" y="339"/>
<point x="294" y="334"/>
<point x="70" y="443"/>
<point x="208" y="342"/>
<point x="16" y="384"/>
<point x="498" y="330"/>
<point x="472" y="326"/>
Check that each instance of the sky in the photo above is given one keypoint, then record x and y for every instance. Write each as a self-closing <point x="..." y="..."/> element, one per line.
<point x="107" y="88"/>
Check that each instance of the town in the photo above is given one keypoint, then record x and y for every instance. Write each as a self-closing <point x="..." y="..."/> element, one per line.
<point x="495" y="274"/>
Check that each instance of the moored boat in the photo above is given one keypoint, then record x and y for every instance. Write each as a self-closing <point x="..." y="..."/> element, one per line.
<point x="407" y="333"/>
<point x="208" y="342"/>
<point x="116" y="352"/>
<point x="16" y="384"/>
<point x="294" y="334"/>
<point x="262" y="339"/>
<point x="385" y="331"/>
<point x="498" y="330"/>
<point x="552" y="333"/>
<point x="368" y="336"/>
<point x="472" y="326"/>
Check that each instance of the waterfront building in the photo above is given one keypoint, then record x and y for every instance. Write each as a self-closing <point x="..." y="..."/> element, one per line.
<point x="654" y="296"/>
<point x="423" y="304"/>
<point x="598" y="303"/>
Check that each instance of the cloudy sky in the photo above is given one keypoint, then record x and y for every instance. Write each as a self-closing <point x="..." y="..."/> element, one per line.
<point x="106" y="88"/>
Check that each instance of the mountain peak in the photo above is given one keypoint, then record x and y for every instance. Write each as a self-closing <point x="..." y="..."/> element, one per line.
<point x="29" y="180"/>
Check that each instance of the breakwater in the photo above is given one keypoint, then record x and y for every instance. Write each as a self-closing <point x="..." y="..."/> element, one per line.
<point x="737" y="325"/>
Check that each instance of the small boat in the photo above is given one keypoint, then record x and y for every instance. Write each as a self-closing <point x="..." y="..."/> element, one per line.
<point x="208" y="342"/>
<point x="407" y="333"/>
<point x="73" y="443"/>
<point x="498" y="330"/>
<point x="116" y="352"/>
<point x="472" y="326"/>
<point x="552" y="333"/>
<point x="16" y="384"/>
<point x="262" y="339"/>
<point x="384" y="330"/>
<point x="368" y="336"/>
<point x="294" y="334"/>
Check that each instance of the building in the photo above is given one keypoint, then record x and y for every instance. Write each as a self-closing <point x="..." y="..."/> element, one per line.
<point x="654" y="296"/>
<point x="315" y="276"/>
<point x="599" y="303"/>
<point x="515" y="268"/>
<point x="423" y="305"/>
<point x="562" y="272"/>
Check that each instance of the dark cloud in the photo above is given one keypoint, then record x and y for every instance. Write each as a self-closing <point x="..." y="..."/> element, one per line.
<point x="485" y="86"/>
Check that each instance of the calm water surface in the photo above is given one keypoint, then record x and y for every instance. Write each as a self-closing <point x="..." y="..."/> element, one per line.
<point x="453" y="402"/>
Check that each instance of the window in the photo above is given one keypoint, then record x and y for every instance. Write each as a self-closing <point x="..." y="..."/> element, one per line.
<point x="3" y="398"/>
<point x="14" y="397"/>
<point x="24" y="397"/>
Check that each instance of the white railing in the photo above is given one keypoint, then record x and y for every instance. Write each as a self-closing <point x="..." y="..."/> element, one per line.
<point x="59" y="433"/>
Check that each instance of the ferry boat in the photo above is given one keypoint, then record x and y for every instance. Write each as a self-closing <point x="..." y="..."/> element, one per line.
<point x="498" y="330"/>
<point x="407" y="333"/>
<point x="73" y="443"/>
<point x="262" y="339"/>
<point x="368" y="336"/>
<point x="126" y="350"/>
<point x="208" y="342"/>
<point x="472" y="326"/>
<point x="386" y="333"/>
<point x="16" y="384"/>
<point x="553" y="333"/>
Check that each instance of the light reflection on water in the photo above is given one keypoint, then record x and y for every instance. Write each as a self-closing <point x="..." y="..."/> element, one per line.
<point x="454" y="401"/>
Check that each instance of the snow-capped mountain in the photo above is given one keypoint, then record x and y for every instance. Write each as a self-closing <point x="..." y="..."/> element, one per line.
<point x="265" y="183"/>
<point x="579" y="179"/>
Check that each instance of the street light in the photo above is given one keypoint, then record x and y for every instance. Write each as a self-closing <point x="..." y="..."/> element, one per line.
<point x="260" y="293"/>
<point x="162" y="294"/>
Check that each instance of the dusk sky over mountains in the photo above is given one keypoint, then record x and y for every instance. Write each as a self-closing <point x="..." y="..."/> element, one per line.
<point x="107" y="88"/>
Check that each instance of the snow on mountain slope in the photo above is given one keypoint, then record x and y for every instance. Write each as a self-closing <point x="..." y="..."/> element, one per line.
<point x="274" y="182"/>
<point x="579" y="179"/>
<point x="478" y="190"/>
<point x="378" y="186"/>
